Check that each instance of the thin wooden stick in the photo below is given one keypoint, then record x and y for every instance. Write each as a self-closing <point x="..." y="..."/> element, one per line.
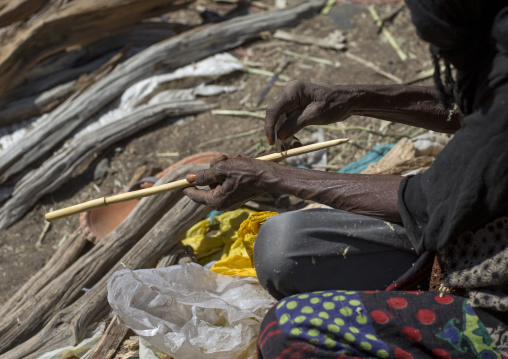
<point x="387" y="34"/>
<point x="123" y="197"/>
<point x="373" y="67"/>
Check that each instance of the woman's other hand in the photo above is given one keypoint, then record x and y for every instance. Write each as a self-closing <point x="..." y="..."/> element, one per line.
<point x="305" y="104"/>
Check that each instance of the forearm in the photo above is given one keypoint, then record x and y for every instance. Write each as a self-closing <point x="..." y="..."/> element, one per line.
<point x="411" y="105"/>
<point x="370" y="195"/>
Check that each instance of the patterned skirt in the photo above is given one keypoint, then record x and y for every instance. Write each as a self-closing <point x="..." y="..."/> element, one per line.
<point x="379" y="324"/>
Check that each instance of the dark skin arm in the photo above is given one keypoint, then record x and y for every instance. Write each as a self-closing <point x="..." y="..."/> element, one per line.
<point x="235" y="180"/>
<point x="307" y="104"/>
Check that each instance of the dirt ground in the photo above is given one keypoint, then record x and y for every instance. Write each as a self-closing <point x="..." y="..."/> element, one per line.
<point x="20" y="258"/>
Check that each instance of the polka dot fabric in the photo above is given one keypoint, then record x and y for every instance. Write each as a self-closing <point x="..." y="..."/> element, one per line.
<point x="333" y="320"/>
<point x="400" y="325"/>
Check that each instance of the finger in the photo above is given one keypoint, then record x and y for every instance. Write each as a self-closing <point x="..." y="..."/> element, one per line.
<point x="289" y="127"/>
<point x="296" y="123"/>
<point x="198" y="196"/>
<point x="218" y="159"/>
<point x="287" y="102"/>
<point x="191" y="177"/>
<point x="208" y="177"/>
<point x="243" y="155"/>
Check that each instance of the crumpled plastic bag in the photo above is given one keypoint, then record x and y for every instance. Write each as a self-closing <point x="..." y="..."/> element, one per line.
<point x="148" y="351"/>
<point x="93" y="335"/>
<point x="187" y="311"/>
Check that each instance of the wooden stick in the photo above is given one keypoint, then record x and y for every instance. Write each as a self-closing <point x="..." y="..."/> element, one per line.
<point x="387" y="34"/>
<point x="110" y="340"/>
<point x="123" y="197"/>
<point x="373" y="67"/>
<point x="308" y="40"/>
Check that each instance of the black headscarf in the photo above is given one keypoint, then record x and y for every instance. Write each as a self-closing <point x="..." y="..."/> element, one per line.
<point x="459" y="32"/>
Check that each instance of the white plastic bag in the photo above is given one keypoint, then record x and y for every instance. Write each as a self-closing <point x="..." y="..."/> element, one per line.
<point x="188" y="311"/>
<point x="93" y="335"/>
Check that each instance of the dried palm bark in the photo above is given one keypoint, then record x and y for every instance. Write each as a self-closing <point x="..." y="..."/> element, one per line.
<point x="165" y="56"/>
<point x="62" y="24"/>
<point x="55" y="171"/>
<point x="58" y="314"/>
<point x="58" y="77"/>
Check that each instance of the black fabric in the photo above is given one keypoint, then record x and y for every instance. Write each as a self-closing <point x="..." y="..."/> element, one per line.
<point x="461" y="31"/>
<point x="467" y="185"/>
<point x="321" y="249"/>
<point x="458" y="28"/>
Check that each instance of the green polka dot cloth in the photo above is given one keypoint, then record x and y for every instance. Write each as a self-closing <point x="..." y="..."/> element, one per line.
<point x="333" y="320"/>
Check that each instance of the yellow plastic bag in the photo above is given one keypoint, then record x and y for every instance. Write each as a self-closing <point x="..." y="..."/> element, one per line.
<point x="229" y="240"/>
<point x="249" y="230"/>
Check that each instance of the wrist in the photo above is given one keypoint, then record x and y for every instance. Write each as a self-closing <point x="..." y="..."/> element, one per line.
<point x="344" y="99"/>
<point x="269" y="176"/>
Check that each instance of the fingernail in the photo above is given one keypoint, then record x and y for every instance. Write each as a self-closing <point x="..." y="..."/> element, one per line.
<point x="191" y="177"/>
<point x="269" y="142"/>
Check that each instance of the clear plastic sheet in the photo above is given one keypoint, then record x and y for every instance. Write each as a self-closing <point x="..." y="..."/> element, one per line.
<point x="188" y="311"/>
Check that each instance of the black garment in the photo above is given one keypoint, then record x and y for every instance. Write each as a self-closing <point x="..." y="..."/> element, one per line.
<point x="461" y="32"/>
<point x="319" y="249"/>
<point x="467" y="186"/>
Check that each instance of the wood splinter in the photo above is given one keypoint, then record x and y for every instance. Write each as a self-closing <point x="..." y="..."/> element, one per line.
<point x="129" y="196"/>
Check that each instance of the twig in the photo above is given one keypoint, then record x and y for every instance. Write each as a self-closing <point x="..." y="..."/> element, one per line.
<point x="373" y="132"/>
<point x="230" y="137"/>
<point x="391" y="15"/>
<point x="328" y="7"/>
<point x="377" y="2"/>
<point x="360" y="128"/>
<point x="62" y="241"/>
<point x="96" y="187"/>
<point x="307" y="40"/>
<point x="45" y="230"/>
<point x="280" y="4"/>
<point x="422" y="76"/>
<point x="417" y="132"/>
<point x="272" y="81"/>
<point x="387" y="34"/>
<point x="331" y="167"/>
<point x="261" y="5"/>
<point x="168" y="154"/>
<point x="254" y="71"/>
<point x="370" y="65"/>
<point x="341" y="153"/>
<point x="242" y="113"/>
<point x="319" y="60"/>
<point x="110" y="340"/>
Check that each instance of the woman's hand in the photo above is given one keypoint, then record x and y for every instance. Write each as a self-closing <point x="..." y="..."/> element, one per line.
<point x="305" y="104"/>
<point x="302" y="104"/>
<point x="233" y="180"/>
